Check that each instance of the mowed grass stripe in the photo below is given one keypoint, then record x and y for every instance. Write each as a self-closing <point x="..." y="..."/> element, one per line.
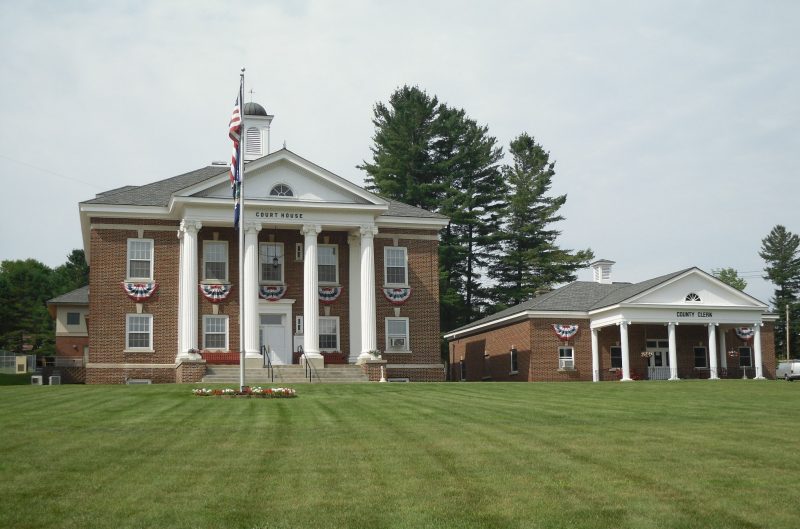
<point x="688" y="454"/>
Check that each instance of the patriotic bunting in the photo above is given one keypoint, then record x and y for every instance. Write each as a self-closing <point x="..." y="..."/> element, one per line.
<point x="328" y="295"/>
<point x="565" y="332"/>
<point x="271" y="292"/>
<point x="139" y="292"/>
<point x="744" y="333"/>
<point x="397" y="296"/>
<point x="215" y="293"/>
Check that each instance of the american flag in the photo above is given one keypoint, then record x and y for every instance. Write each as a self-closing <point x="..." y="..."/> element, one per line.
<point x="235" y="134"/>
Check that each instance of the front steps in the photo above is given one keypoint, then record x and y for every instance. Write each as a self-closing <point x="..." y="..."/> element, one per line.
<point x="294" y="374"/>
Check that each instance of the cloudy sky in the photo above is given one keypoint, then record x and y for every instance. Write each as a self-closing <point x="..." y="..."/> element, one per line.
<point x="675" y="125"/>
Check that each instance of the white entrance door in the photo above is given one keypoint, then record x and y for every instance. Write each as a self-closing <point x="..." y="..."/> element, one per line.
<point x="273" y="337"/>
<point x="658" y="363"/>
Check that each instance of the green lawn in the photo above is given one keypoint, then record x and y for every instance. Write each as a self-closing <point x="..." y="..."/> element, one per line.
<point x="644" y="454"/>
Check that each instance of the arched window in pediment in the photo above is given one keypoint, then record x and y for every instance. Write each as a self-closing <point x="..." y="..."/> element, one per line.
<point x="281" y="190"/>
<point x="692" y="297"/>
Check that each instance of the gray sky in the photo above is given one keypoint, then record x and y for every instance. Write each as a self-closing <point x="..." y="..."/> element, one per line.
<point x="675" y="125"/>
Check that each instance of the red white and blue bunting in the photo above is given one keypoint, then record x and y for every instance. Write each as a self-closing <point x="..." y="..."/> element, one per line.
<point x="745" y="333"/>
<point x="397" y="296"/>
<point x="139" y="292"/>
<point x="565" y="332"/>
<point x="215" y="293"/>
<point x="271" y="292"/>
<point x="328" y="295"/>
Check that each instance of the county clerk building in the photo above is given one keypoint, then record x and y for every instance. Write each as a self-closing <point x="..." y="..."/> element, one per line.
<point x="330" y="270"/>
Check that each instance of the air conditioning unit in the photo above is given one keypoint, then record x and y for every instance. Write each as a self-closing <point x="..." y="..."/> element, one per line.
<point x="55" y="380"/>
<point x="397" y="343"/>
<point x="138" y="381"/>
<point x="36" y="380"/>
<point x="566" y="363"/>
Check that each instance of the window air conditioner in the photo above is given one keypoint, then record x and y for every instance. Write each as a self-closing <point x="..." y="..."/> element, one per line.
<point x="55" y="380"/>
<point x="397" y="343"/>
<point x="566" y="363"/>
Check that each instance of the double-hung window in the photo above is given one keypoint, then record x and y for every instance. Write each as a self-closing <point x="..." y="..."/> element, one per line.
<point x="616" y="357"/>
<point x="139" y="332"/>
<point x="327" y="263"/>
<point x="745" y="357"/>
<point x="395" y="260"/>
<point x="215" y="332"/>
<point x="566" y="358"/>
<point x="215" y="261"/>
<point x="700" y="358"/>
<point x="140" y="258"/>
<point x="270" y="256"/>
<point x="329" y="333"/>
<point x="73" y="318"/>
<point x="397" y="334"/>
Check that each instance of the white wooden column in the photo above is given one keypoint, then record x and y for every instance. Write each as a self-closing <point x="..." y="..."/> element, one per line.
<point x="626" y="352"/>
<point x="712" y="351"/>
<point x="250" y="290"/>
<point x="723" y="359"/>
<point x="354" y="242"/>
<point x="757" y="351"/>
<point x="673" y="351"/>
<point x="368" y="309"/>
<point x="181" y="294"/>
<point x="188" y="290"/>
<point x="311" y="292"/>
<point x="595" y="357"/>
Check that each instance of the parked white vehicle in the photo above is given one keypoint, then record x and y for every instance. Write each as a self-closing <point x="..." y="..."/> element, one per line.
<point x="788" y="369"/>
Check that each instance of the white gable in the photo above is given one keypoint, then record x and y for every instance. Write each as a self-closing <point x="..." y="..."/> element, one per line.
<point x="700" y="289"/>
<point x="308" y="182"/>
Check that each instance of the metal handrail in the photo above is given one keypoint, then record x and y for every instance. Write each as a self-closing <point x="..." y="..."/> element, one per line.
<point x="268" y="363"/>
<point x="308" y="368"/>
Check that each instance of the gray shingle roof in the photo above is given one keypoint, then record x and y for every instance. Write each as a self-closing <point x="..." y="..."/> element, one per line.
<point x="398" y="209"/>
<point x="579" y="296"/>
<point x="79" y="296"/>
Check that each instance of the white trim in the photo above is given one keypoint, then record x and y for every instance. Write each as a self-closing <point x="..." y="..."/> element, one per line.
<point x="405" y="337"/>
<point x="408" y="236"/>
<point x="152" y="259"/>
<point x="227" y="260"/>
<point x="207" y="317"/>
<point x="128" y="349"/>
<point x="386" y="250"/>
<point x="133" y="227"/>
<point x="528" y="314"/>
<point x="338" y="333"/>
<point x="411" y="222"/>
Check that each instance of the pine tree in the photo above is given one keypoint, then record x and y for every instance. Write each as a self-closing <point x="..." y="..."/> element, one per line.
<point x="781" y="251"/>
<point x="730" y="277"/>
<point x="531" y="261"/>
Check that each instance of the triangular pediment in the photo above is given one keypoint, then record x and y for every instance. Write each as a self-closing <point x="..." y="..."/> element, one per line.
<point x="697" y="289"/>
<point x="307" y="182"/>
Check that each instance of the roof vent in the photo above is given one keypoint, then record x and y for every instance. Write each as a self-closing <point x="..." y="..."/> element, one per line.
<point x="601" y="270"/>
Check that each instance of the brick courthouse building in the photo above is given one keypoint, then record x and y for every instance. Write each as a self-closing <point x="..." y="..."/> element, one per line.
<point x="328" y="267"/>
<point x="687" y="324"/>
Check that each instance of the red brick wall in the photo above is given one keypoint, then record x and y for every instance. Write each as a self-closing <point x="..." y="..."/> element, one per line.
<point x="497" y="343"/>
<point x="71" y="346"/>
<point x="190" y="371"/>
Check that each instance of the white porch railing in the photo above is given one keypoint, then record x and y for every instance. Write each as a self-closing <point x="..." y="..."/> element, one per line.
<point x="658" y="372"/>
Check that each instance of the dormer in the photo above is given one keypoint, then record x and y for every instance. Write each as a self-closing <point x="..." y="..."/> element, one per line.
<point x="256" y="131"/>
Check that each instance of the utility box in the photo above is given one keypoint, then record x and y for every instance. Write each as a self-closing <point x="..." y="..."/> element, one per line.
<point x="22" y="364"/>
<point x="36" y="380"/>
<point x="55" y="380"/>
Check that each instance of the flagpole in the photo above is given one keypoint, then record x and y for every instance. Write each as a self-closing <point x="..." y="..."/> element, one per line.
<point x="242" y="355"/>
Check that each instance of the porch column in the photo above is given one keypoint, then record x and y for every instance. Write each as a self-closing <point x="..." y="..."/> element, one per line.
<point x="250" y="289"/>
<point x="673" y="351"/>
<point x="354" y="242"/>
<point x="188" y="290"/>
<point x="626" y="353"/>
<point x="757" y="350"/>
<point x="595" y="357"/>
<point x="712" y="351"/>
<point x="181" y="293"/>
<point x="368" y="309"/>
<point x="311" y="292"/>
<point x="723" y="359"/>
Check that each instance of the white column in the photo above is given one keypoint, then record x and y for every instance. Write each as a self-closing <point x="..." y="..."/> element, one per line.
<point x="723" y="359"/>
<point x="354" y="242"/>
<point x="673" y="352"/>
<point x="181" y="293"/>
<point x="310" y="292"/>
<point x="595" y="357"/>
<point x="712" y="350"/>
<point x="189" y="288"/>
<point x="368" y="309"/>
<point x="757" y="350"/>
<point x="250" y="289"/>
<point x="626" y="352"/>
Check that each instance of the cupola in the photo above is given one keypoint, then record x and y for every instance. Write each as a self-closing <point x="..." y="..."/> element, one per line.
<point x="256" y="131"/>
<point x="601" y="271"/>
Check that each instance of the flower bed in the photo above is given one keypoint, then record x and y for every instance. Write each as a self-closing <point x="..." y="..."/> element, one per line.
<point x="257" y="392"/>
